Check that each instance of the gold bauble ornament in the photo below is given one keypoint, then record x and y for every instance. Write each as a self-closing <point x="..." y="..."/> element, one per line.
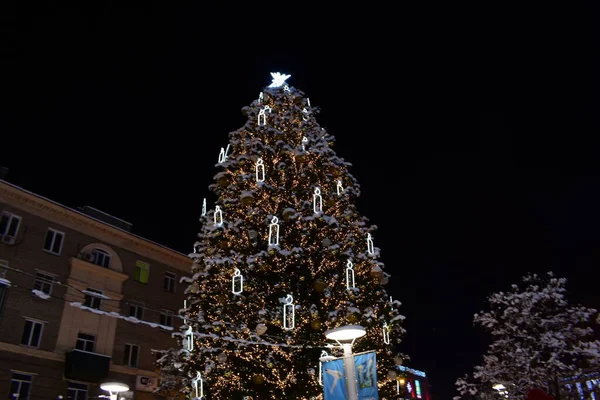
<point x="319" y="285"/>
<point x="247" y="198"/>
<point x="258" y="379"/>
<point x="288" y="213"/>
<point x="315" y="324"/>
<point x="352" y="318"/>
<point x="223" y="180"/>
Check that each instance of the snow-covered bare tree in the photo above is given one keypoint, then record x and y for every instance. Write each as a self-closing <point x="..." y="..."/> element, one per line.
<point x="537" y="339"/>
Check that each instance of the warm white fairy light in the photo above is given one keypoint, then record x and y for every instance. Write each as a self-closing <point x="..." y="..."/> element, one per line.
<point x="288" y="313"/>
<point x="317" y="201"/>
<point x="369" y="244"/>
<point x="274" y="232"/>
<point x="218" y="217"/>
<point x="349" y="275"/>
<point x="237" y="282"/>
<point x="260" y="170"/>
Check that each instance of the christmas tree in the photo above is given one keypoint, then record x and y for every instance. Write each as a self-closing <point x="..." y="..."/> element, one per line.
<point x="283" y="255"/>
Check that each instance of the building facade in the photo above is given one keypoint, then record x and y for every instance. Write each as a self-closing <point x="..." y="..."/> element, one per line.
<point x="82" y="301"/>
<point x="412" y="384"/>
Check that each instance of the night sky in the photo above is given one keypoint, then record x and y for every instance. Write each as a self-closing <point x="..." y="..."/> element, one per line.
<point x="476" y="149"/>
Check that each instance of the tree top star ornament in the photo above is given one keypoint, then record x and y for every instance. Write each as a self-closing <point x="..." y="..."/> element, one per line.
<point x="278" y="79"/>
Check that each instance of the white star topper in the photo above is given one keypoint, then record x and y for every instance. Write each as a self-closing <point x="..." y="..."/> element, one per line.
<point x="278" y="79"/>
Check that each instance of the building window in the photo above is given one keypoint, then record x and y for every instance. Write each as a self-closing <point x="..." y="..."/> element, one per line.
<point x="3" y="295"/>
<point x="20" y="384"/>
<point x="130" y="358"/>
<point x="166" y="318"/>
<point x="9" y="226"/>
<point x="101" y="258"/>
<point x="142" y="271"/>
<point x="93" y="298"/>
<point x="136" y="310"/>
<point x="85" y="342"/>
<point x="77" y="391"/>
<point x="54" y="241"/>
<point x="3" y="268"/>
<point x="32" y="333"/>
<point x="43" y="282"/>
<point x="169" y="283"/>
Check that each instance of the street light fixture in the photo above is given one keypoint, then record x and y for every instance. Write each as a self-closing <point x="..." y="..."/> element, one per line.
<point x="345" y="337"/>
<point x="114" y="388"/>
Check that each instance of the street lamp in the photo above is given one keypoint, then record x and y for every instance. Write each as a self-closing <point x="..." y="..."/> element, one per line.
<point x="114" y="388"/>
<point x="345" y="336"/>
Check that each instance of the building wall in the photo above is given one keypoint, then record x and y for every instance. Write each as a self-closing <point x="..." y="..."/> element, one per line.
<point x="62" y="321"/>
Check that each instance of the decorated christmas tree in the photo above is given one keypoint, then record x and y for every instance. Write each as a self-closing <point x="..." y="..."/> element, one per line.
<point x="283" y="256"/>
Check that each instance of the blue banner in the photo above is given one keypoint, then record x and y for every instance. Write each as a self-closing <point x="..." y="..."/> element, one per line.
<point x="334" y="380"/>
<point x="366" y="376"/>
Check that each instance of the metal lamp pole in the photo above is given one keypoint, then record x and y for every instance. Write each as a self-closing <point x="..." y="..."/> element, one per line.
<point x="345" y="337"/>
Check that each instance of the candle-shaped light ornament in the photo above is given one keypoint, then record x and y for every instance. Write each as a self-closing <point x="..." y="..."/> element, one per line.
<point x="340" y="189"/>
<point x="237" y="282"/>
<point x="204" y="207"/>
<point x="369" y="244"/>
<point x="262" y="115"/>
<point x="260" y="97"/>
<point x="218" y="217"/>
<point x="274" y="232"/>
<point x="386" y="333"/>
<point x="189" y="339"/>
<point x="391" y="304"/>
<point x="305" y="112"/>
<point x="288" y="313"/>
<point x="349" y="275"/>
<point x="323" y="354"/>
<point x="198" y="385"/>
<point x="308" y="101"/>
<point x="304" y="143"/>
<point x="317" y="201"/>
<point x="260" y="170"/>
<point x="223" y="154"/>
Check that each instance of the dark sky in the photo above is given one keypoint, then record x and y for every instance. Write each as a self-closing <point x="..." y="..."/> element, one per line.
<point x="474" y="142"/>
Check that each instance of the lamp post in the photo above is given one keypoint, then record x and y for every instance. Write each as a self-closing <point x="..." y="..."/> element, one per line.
<point x="114" y="388"/>
<point x="345" y="337"/>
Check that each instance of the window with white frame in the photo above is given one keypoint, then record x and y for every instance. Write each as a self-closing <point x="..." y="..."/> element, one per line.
<point x="166" y="318"/>
<point x="101" y="258"/>
<point x="86" y="342"/>
<point x="43" y="282"/>
<point x="136" y="309"/>
<point x="131" y="354"/>
<point x="32" y="333"/>
<point x="93" y="299"/>
<point x="3" y="268"/>
<point x="54" y="241"/>
<point x="169" y="283"/>
<point x="9" y="225"/>
<point x="20" y="385"/>
<point x="77" y="391"/>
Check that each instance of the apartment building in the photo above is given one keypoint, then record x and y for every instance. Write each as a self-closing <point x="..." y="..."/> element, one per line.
<point x="82" y="301"/>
